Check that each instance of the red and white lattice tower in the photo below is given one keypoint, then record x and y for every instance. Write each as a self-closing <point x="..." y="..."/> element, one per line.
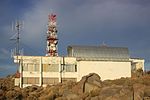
<point x="52" y="36"/>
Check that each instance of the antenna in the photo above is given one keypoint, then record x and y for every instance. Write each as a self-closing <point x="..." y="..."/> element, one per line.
<point x="104" y="44"/>
<point x="16" y="38"/>
<point x="52" y="39"/>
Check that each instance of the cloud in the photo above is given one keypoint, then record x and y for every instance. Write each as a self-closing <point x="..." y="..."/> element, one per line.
<point x="117" y="22"/>
<point x="4" y="53"/>
<point x="80" y="22"/>
<point x="7" y="69"/>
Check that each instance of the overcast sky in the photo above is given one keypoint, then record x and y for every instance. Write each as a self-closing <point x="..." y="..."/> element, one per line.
<point x="119" y="23"/>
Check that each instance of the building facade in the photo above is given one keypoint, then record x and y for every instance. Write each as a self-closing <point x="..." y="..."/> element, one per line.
<point x="108" y="62"/>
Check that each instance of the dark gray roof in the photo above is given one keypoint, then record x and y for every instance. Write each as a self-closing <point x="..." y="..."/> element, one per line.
<point x="102" y="52"/>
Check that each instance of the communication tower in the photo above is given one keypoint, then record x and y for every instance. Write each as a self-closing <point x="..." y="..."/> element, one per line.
<point x="16" y="38"/>
<point x="17" y="52"/>
<point x="52" y="40"/>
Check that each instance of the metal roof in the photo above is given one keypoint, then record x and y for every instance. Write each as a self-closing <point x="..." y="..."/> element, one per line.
<point x="102" y="52"/>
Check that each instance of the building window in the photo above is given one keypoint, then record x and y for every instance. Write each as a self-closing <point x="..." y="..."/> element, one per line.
<point x="30" y="67"/>
<point x="50" y="80"/>
<point x="69" y="79"/>
<point x="25" y="67"/>
<point x="36" y="67"/>
<point x="70" y="68"/>
<point x="25" y="80"/>
<point x="30" y="80"/>
<point x="50" y="67"/>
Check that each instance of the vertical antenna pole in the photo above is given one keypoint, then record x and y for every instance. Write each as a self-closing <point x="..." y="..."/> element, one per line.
<point x="16" y="52"/>
<point x="18" y="38"/>
<point x="52" y="36"/>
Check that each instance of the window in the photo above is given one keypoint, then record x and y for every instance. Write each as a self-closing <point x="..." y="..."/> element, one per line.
<point x="30" y="80"/>
<point x="50" y="80"/>
<point x="25" y="80"/>
<point x="70" y="68"/>
<point x="25" y="67"/>
<point x="36" y="67"/>
<point x="69" y="79"/>
<point x="50" y="67"/>
<point x="30" y="67"/>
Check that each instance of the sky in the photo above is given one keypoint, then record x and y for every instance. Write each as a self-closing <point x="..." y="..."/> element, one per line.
<point x="118" y="23"/>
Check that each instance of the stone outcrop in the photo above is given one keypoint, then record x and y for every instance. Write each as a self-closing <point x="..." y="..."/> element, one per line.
<point x="90" y="87"/>
<point x="88" y="83"/>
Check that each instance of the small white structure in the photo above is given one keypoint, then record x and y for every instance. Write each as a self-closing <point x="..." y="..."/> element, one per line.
<point x="137" y="64"/>
<point x="108" y="62"/>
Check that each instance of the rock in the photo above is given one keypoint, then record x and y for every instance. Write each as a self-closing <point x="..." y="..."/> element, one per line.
<point x="146" y="98"/>
<point x="67" y="86"/>
<point x="61" y="98"/>
<point x="90" y="87"/>
<point x="88" y="83"/>
<point x="126" y="93"/>
<point x="94" y="79"/>
<point x="116" y="92"/>
<point x="1" y="92"/>
<point x="2" y="96"/>
<point x="72" y="96"/>
<point x="109" y="91"/>
<point x="95" y="92"/>
<point x="50" y="96"/>
<point x="49" y="93"/>
<point x="12" y="94"/>
<point x="138" y="91"/>
<point x="31" y="88"/>
<point x="95" y="98"/>
<point x="30" y="97"/>
<point x="88" y="98"/>
<point x="147" y="93"/>
<point x="34" y="94"/>
<point x="84" y="95"/>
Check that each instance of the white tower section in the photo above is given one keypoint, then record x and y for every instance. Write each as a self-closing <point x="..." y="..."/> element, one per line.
<point x="52" y="36"/>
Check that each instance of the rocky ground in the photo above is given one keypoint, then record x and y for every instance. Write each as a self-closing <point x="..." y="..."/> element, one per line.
<point x="90" y="87"/>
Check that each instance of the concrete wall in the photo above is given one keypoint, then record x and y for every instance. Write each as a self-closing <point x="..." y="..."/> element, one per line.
<point x="106" y="69"/>
<point x="17" y="82"/>
<point x="40" y="73"/>
<point x="137" y="64"/>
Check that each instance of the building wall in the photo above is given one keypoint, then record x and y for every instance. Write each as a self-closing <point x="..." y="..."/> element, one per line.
<point x="41" y="70"/>
<point x="106" y="69"/>
<point x="137" y="64"/>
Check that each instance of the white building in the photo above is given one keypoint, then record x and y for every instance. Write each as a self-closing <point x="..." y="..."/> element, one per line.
<point x="108" y="62"/>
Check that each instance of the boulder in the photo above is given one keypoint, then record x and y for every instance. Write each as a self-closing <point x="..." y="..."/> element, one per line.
<point x="95" y="98"/>
<point x="88" y="83"/>
<point x="12" y="94"/>
<point x="147" y="93"/>
<point x="138" y="91"/>
<point x="90" y="87"/>
<point x="71" y="96"/>
<point x="2" y="95"/>
<point x="116" y="92"/>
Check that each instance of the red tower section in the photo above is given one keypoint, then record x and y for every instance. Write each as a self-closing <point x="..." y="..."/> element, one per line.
<point x="52" y="40"/>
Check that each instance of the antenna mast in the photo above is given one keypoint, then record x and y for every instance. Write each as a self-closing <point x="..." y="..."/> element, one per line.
<point x="17" y="50"/>
<point x="52" y="40"/>
<point x="18" y="25"/>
